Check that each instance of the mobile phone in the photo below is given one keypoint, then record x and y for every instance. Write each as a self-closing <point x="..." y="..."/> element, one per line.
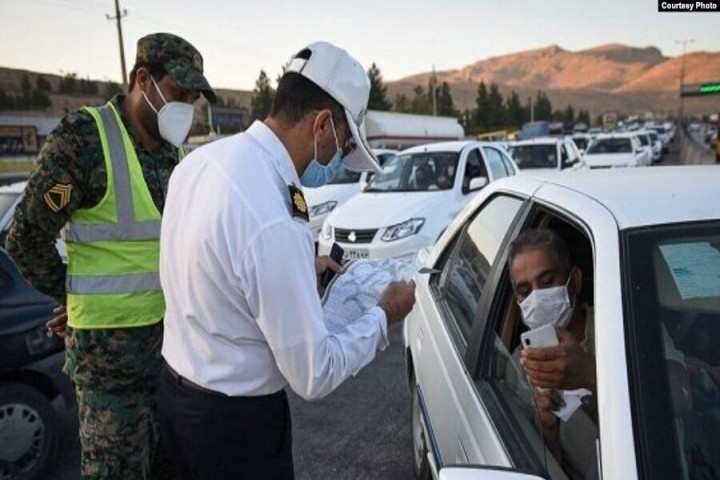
<point x="544" y="336"/>
<point x="336" y="253"/>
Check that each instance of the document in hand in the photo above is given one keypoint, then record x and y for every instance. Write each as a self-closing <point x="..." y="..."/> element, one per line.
<point x="358" y="289"/>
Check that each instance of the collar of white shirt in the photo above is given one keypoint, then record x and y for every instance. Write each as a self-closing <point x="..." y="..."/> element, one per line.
<point x="268" y="141"/>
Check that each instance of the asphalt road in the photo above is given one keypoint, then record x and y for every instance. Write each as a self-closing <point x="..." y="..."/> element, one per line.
<point x="360" y="431"/>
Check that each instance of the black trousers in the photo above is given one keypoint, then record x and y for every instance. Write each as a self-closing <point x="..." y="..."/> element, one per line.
<point x="211" y="436"/>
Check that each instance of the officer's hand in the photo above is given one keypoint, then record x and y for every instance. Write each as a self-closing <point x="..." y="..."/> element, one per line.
<point x="58" y="323"/>
<point x="324" y="262"/>
<point x="397" y="300"/>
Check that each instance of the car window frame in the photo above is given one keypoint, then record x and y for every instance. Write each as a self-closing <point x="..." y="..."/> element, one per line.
<point x="449" y="254"/>
<point x="491" y="310"/>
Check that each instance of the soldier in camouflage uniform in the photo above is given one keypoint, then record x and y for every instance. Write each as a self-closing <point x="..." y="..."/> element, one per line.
<point x="115" y="370"/>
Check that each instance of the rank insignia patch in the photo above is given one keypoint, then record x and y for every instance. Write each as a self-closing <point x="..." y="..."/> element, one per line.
<point x="297" y="203"/>
<point x="58" y="196"/>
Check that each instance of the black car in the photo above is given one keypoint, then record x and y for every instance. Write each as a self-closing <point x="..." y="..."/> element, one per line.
<point x="32" y="384"/>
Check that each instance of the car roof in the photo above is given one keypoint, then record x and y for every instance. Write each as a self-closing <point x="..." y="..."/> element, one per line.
<point x="537" y="141"/>
<point x="456" y="146"/>
<point x="616" y="135"/>
<point x="645" y="196"/>
<point x="15" y="187"/>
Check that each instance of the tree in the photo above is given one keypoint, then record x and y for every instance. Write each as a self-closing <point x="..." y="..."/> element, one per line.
<point x="543" y="107"/>
<point x="514" y="110"/>
<point x="467" y="121"/>
<point x="263" y="95"/>
<point x="6" y="101"/>
<point x="496" y="109"/>
<point x="445" y="105"/>
<point x="378" y="91"/>
<point x="40" y="100"/>
<point x="569" y="115"/>
<point x="42" y="84"/>
<point x="401" y="104"/>
<point x="584" y="117"/>
<point x="68" y="84"/>
<point x="87" y="87"/>
<point x="480" y="112"/>
<point x="26" y="96"/>
<point x="421" y="103"/>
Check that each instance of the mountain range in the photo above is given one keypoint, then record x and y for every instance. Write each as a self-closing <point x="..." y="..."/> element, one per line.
<point x="617" y="77"/>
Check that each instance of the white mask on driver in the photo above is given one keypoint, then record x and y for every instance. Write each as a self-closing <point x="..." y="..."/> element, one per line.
<point x="174" y="118"/>
<point x="547" y="306"/>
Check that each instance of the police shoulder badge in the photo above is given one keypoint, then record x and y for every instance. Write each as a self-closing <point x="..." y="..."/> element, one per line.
<point x="58" y="196"/>
<point x="297" y="203"/>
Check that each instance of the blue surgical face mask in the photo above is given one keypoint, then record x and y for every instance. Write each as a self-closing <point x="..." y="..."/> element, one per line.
<point x="315" y="174"/>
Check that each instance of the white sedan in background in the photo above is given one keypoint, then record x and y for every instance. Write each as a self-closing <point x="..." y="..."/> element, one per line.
<point x="410" y="202"/>
<point x="648" y="247"/>
<point x="346" y="184"/>
<point x="617" y="150"/>
<point x="545" y="153"/>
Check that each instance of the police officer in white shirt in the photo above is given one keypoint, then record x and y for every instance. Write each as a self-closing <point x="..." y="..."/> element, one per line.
<point x="237" y="266"/>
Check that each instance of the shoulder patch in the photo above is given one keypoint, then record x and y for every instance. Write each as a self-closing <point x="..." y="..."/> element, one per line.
<point x="298" y="204"/>
<point x="58" y="196"/>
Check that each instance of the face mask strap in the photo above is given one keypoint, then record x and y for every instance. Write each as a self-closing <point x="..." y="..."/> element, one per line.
<point x="332" y="125"/>
<point x="158" y="90"/>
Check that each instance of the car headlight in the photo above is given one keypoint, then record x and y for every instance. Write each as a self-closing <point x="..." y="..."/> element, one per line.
<point x="402" y="230"/>
<point x="326" y="232"/>
<point x="322" y="208"/>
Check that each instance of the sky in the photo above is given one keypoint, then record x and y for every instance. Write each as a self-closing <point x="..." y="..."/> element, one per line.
<point x="238" y="38"/>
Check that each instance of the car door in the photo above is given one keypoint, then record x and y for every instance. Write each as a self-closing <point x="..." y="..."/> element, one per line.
<point x="440" y="325"/>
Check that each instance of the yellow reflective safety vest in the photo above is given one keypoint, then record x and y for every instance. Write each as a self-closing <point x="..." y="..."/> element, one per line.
<point x="113" y="248"/>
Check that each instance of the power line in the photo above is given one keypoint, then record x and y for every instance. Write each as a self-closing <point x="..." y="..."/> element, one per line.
<point x="118" y="18"/>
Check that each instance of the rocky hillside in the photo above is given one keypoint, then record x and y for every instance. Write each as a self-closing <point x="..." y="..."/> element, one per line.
<point x="609" y="77"/>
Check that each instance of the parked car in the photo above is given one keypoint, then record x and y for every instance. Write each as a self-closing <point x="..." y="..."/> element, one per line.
<point x="663" y="133"/>
<point x="31" y="378"/>
<point x="547" y="153"/>
<point x="10" y="196"/>
<point x="323" y="200"/>
<point x="410" y="202"/>
<point x="657" y="145"/>
<point x="616" y="150"/>
<point x="648" y="247"/>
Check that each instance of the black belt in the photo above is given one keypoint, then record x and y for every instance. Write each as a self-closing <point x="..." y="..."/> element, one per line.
<point x="180" y="380"/>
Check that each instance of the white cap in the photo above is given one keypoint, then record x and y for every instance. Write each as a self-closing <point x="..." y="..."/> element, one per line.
<point x="344" y="79"/>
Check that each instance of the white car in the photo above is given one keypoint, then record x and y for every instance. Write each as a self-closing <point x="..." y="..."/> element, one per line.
<point x="616" y="150"/>
<point x="545" y="153"/>
<point x="410" y="202"/>
<point x="10" y="196"/>
<point x="582" y="141"/>
<point x="649" y="249"/>
<point x="647" y="143"/>
<point x="346" y="184"/>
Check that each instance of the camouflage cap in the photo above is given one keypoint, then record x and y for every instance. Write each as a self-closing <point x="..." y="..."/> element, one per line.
<point x="181" y="60"/>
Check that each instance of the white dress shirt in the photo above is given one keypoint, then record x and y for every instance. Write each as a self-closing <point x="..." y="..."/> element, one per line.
<point x="243" y="313"/>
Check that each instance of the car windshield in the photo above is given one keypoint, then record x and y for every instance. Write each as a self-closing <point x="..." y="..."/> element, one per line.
<point x="345" y="176"/>
<point x="653" y="136"/>
<point x="674" y="308"/>
<point x="581" y="142"/>
<point x="644" y="140"/>
<point x="611" y="145"/>
<point x="534" y="156"/>
<point x="7" y="201"/>
<point x="416" y="172"/>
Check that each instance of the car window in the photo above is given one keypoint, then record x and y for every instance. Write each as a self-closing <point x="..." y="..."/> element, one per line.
<point x="495" y="162"/>
<point x="508" y="164"/>
<point x="474" y="168"/>
<point x="565" y="448"/>
<point x="464" y="274"/>
<point x="345" y="176"/>
<point x="677" y="348"/>
<point x="611" y="145"/>
<point x="415" y="172"/>
<point x="534" y="156"/>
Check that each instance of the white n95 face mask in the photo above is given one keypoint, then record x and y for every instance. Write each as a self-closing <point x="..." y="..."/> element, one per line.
<point x="174" y="118"/>
<point x="547" y="306"/>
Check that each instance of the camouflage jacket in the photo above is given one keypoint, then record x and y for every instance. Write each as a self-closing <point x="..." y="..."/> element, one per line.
<point x="72" y="162"/>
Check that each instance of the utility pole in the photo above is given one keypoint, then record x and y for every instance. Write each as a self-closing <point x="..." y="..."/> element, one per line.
<point x="118" y="18"/>
<point x="434" y="95"/>
<point x="684" y="43"/>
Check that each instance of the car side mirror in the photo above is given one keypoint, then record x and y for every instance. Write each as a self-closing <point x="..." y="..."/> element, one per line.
<point x="477" y="183"/>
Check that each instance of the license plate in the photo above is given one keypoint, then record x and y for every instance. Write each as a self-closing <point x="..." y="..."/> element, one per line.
<point x="354" y="254"/>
